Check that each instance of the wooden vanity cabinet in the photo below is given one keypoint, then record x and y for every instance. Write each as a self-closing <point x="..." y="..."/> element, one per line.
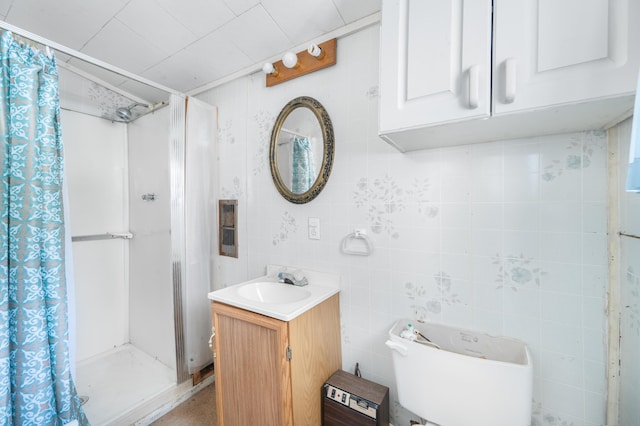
<point x="270" y="372"/>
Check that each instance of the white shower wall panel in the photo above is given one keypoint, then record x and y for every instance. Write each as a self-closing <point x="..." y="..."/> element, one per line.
<point x="95" y="161"/>
<point x="101" y="297"/>
<point x="149" y="173"/>
<point x="95" y="158"/>
<point x="151" y="312"/>
<point x="151" y="290"/>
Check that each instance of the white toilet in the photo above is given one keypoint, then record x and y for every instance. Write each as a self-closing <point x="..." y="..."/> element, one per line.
<point x="455" y="377"/>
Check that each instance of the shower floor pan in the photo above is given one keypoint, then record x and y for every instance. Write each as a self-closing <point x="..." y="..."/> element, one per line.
<point x="122" y="385"/>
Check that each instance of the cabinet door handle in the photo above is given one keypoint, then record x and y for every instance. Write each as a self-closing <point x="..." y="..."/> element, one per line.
<point x="213" y="334"/>
<point x="509" y="80"/>
<point x="474" y="80"/>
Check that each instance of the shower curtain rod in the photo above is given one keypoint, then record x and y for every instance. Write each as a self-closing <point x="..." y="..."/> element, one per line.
<point x="79" y="55"/>
<point x="294" y="133"/>
<point x="102" y="83"/>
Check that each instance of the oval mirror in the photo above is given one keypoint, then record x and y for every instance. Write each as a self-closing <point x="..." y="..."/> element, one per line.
<point x="301" y="150"/>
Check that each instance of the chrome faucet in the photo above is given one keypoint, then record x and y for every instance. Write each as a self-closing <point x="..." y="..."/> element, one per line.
<point x="295" y="278"/>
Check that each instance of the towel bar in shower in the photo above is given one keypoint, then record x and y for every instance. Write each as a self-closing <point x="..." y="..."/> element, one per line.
<point x="107" y="236"/>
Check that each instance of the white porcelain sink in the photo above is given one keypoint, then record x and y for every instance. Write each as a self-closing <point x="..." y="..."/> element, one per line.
<point x="270" y="292"/>
<point x="265" y="295"/>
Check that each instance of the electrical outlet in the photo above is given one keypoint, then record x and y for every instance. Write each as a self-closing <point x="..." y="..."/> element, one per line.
<point x="314" y="228"/>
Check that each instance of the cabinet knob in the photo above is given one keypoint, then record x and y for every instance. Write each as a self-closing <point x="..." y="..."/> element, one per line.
<point x="509" y="80"/>
<point x="474" y="80"/>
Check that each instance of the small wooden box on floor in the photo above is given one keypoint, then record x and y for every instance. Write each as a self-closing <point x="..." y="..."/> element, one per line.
<point x="354" y="401"/>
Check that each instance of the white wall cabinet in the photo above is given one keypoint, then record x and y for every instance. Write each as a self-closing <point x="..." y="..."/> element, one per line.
<point x="531" y="66"/>
<point x="435" y="62"/>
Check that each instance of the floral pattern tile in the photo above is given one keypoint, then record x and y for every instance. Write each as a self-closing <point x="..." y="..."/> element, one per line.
<point x="225" y="134"/>
<point x="580" y="150"/>
<point x="373" y="92"/>
<point x="538" y="418"/>
<point x="516" y="272"/>
<point x="632" y="305"/>
<point x="344" y="330"/>
<point x="264" y="121"/>
<point x="415" y="293"/>
<point x="556" y="420"/>
<point x="233" y="192"/>
<point x="288" y="226"/>
<point x="423" y="306"/>
<point x="382" y="197"/>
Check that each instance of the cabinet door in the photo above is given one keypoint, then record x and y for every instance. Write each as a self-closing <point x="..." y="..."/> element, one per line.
<point x="253" y="377"/>
<point x="434" y="62"/>
<point x="551" y="52"/>
<point x="314" y="337"/>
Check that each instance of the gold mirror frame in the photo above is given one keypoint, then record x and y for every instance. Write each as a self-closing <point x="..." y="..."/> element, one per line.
<point x="326" y="127"/>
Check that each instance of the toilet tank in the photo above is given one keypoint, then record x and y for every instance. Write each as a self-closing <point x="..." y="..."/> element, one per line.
<point x="464" y="377"/>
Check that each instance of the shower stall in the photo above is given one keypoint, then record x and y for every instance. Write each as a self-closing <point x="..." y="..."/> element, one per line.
<point x="142" y="314"/>
<point x="140" y="231"/>
<point x="119" y="345"/>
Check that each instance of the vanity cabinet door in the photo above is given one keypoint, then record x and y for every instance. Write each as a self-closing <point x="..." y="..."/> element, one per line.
<point x="316" y="354"/>
<point x="550" y="52"/>
<point x="434" y="62"/>
<point x="253" y="376"/>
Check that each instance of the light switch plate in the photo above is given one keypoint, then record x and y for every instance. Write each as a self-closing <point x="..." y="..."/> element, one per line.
<point x="314" y="228"/>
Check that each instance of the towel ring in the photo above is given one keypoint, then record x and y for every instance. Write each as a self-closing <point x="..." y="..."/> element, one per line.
<point x="357" y="235"/>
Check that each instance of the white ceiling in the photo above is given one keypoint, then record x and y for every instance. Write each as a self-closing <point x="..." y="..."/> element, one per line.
<point x="180" y="44"/>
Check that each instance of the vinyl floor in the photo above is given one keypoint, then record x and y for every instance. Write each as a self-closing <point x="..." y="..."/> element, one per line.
<point x="199" y="410"/>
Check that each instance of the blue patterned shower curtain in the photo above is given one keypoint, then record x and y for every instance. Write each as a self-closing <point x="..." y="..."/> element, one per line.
<point x="36" y="387"/>
<point x="304" y="174"/>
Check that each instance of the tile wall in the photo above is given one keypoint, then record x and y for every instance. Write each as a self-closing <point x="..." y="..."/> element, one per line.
<point x="506" y="237"/>
<point x="629" y="288"/>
